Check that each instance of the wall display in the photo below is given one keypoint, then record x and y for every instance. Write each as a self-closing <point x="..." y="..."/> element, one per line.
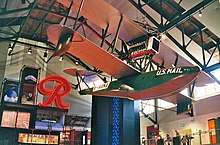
<point x="49" y="120"/>
<point x="23" y="120"/>
<point x="10" y="91"/>
<point x="37" y="138"/>
<point x="14" y="119"/>
<point x="8" y="119"/>
<point x="28" y="95"/>
<point x="28" y="79"/>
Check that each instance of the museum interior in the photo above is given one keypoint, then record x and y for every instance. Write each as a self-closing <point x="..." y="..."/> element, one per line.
<point x="110" y="72"/>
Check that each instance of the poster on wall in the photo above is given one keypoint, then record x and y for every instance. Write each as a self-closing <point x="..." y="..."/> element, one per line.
<point x="23" y="120"/>
<point x="10" y="91"/>
<point x="28" y="79"/>
<point x="15" y="119"/>
<point x="8" y="119"/>
<point x="37" y="138"/>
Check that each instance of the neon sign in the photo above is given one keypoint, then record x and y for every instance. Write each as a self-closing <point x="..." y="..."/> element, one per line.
<point x="57" y="93"/>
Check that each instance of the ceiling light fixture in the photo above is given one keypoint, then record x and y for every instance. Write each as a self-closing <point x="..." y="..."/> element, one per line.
<point x="76" y="62"/>
<point x="45" y="53"/>
<point x="61" y="58"/>
<point x="29" y="51"/>
<point x="163" y="36"/>
<point x="200" y="13"/>
<point x="9" y="47"/>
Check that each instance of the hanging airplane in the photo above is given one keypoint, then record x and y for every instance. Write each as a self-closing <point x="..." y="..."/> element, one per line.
<point x="130" y="83"/>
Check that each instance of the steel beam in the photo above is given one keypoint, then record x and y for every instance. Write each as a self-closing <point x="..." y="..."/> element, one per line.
<point x="212" y="67"/>
<point x="77" y="16"/>
<point x="64" y="23"/>
<point x="203" y="50"/>
<point x="44" y="18"/>
<point x="39" y="20"/>
<point x="15" y="10"/>
<point x="148" y="117"/>
<point x="186" y="15"/>
<point x="184" y="50"/>
<point x="22" y="27"/>
<point x="25" y="43"/>
<point x="139" y="7"/>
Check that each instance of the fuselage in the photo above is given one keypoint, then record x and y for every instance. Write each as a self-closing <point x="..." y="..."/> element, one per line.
<point x="149" y="85"/>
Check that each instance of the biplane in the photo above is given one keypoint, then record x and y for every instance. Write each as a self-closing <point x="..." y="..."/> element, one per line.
<point x="129" y="82"/>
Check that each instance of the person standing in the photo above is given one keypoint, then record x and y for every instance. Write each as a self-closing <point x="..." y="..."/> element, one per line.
<point x="168" y="140"/>
<point x="184" y="140"/>
<point x="177" y="133"/>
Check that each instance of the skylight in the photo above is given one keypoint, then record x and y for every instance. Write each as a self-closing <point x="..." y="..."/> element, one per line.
<point x="216" y="74"/>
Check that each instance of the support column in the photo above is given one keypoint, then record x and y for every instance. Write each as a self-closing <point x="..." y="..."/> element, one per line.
<point x="104" y="131"/>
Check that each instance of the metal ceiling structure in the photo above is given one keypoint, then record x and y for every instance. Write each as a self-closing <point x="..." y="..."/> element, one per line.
<point x="177" y="16"/>
<point x="29" y="19"/>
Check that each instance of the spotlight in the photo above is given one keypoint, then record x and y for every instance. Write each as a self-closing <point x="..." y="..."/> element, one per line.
<point x="76" y="62"/>
<point x="61" y="58"/>
<point x="9" y="47"/>
<point x="200" y="13"/>
<point x="45" y="53"/>
<point x="163" y="36"/>
<point x="29" y="51"/>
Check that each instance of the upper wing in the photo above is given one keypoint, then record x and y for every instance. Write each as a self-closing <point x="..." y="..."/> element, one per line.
<point x="102" y="13"/>
<point x="90" y="53"/>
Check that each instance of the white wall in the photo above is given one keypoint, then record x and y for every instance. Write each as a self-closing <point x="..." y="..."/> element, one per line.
<point x="203" y="111"/>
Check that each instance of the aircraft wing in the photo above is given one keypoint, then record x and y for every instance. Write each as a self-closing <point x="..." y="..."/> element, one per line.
<point x="102" y="13"/>
<point x="90" y="53"/>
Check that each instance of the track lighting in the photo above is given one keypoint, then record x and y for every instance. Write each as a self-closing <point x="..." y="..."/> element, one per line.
<point x="200" y="13"/>
<point x="61" y="58"/>
<point x="29" y="51"/>
<point x="163" y="36"/>
<point x="76" y="62"/>
<point x="45" y="53"/>
<point x="9" y="47"/>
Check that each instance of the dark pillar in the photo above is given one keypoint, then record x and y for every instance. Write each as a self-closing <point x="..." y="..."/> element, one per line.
<point x="129" y="121"/>
<point x="101" y="120"/>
